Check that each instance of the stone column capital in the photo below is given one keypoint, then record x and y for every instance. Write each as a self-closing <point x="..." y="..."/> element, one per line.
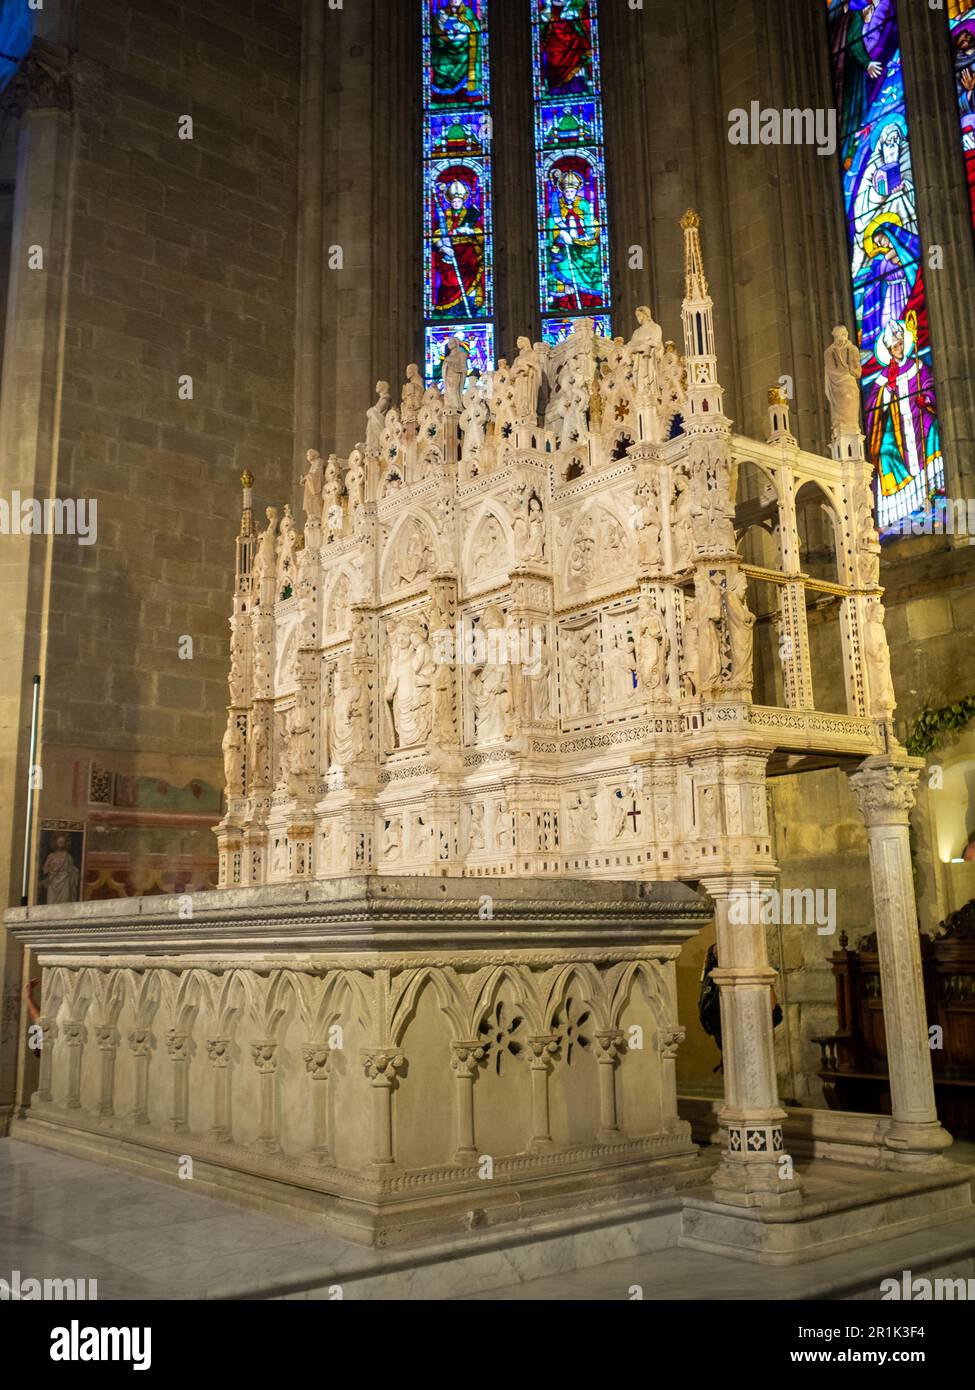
<point x="885" y="790"/>
<point x="610" y="1045"/>
<point x="75" y="1034"/>
<point x="541" y="1048"/>
<point x="107" y="1037"/>
<point x="466" y="1056"/>
<point x="264" y="1055"/>
<point x="669" y="1040"/>
<point x="177" y="1044"/>
<point x="218" y="1051"/>
<point x="382" y="1065"/>
<point x="140" y="1041"/>
<point x="41" y="83"/>
<point x="316" y="1056"/>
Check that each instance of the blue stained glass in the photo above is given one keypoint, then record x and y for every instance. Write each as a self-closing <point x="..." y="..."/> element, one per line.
<point x="478" y="339"/>
<point x="903" y="437"/>
<point x="458" y="236"/>
<point x="961" y="22"/>
<point x="573" y="233"/>
<point x="456" y="53"/>
<point x="557" y="330"/>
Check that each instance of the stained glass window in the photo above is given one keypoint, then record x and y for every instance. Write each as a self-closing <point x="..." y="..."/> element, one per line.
<point x="903" y="437"/>
<point x="573" y="232"/>
<point x="961" y="21"/>
<point x="458" y="241"/>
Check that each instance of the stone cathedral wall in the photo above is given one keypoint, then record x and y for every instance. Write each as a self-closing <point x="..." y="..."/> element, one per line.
<point x="181" y="263"/>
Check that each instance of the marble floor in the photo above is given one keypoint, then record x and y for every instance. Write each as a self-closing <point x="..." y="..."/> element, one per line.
<point x="62" y="1216"/>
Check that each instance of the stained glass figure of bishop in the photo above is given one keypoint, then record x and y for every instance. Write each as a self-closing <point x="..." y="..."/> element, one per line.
<point x="458" y="244"/>
<point x="575" y="276"/>
<point x="455" y="53"/>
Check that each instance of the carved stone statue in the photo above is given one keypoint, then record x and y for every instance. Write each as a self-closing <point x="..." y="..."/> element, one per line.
<point x="877" y="656"/>
<point x="540" y="688"/>
<point x="491" y="686"/>
<point x="527" y="376"/>
<point x="299" y="742"/>
<point x="287" y="545"/>
<point x="265" y="557"/>
<point x="235" y="680"/>
<point x="741" y="625"/>
<point x="332" y="495"/>
<point x="476" y="829"/>
<point x="476" y="413"/>
<point x="654" y="646"/>
<point x="454" y="375"/>
<point x="375" y="419"/>
<point x="683" y="532"/>
<point x="233" y="747"/>
<point x="391" y="838"/>
<point x="583" y="818"/>
<point x="311" y="482"/>
<point x="412" y="396"/>
<point x="709" y="633"/>
<point x="355" y="480"/>
<point x="408" y="693"/>
<point x="349" y="711"/>
<point x="843" y="373"/>
<point x="257" y="751"/>
<point x="528" y="528"/>
<point x="689" y="660"/>
<point x="646" y="347"/>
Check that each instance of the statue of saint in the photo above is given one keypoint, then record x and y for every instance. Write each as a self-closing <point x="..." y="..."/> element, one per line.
<point x="709" y="635"/>
<point x="232" y="746"/>
<point x="741" y="624"/>
<point x="646" y="347"/>
<point x="412" y="397"/>
<point x="348" y="709"/>
<point x="476" y="413"/>
<point x="257" y="754"/>
<point x="355" y="480"/>
<point x="527" y="375"/>
<point x="408" y="692"/>
<point x="843" y="373"/>
<point x="454" y="375"/>
<point x="266" y="553"/>
<point x="877" y="656"/>
<point x="311" y="482"/>
<point x="376" y="418"/>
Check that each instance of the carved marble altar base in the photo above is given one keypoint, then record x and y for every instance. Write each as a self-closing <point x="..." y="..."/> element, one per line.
<point x="397" y="1057"/>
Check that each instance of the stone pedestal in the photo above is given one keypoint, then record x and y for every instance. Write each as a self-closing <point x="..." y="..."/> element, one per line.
<point x="376" y="1050"/>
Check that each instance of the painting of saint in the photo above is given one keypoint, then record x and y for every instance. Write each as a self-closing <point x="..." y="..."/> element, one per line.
<point x="457" y="242"/>
<point x="456" y="52"/>
<point x="902" y="425"/>
<point x="59" y="862"/>
<point x="573" y="262"/>
<point x="566" y="49"/>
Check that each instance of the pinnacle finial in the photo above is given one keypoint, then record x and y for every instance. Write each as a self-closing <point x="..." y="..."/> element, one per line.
<point x="695" y="284"/>
<point x="247" y="478"/>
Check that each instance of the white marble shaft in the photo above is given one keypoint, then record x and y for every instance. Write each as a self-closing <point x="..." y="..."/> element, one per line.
<point x="402" y="1047"/>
